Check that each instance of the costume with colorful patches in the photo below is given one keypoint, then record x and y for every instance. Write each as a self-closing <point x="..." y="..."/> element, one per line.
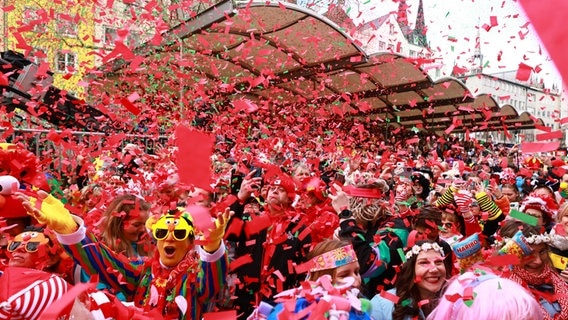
<point x="179" y="281"/>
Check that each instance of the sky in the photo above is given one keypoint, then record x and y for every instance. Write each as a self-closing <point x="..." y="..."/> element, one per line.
<point x="504" y="46"/>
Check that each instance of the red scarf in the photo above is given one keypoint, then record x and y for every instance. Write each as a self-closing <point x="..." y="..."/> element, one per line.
<point x="547" y="276"/>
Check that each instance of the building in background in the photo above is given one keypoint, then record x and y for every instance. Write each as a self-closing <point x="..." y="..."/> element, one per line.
<point x="71" y="38"/>
<point x="532" y="97"/>
<point x="524" y="96"/>
<point x="390" y="32"/>
<point x="59" y="36"/>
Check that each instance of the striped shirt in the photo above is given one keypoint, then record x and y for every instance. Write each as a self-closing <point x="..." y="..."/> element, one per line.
<point x="134" y="280"/>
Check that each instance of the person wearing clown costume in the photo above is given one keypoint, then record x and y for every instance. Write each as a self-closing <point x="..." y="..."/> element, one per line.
<point x="178" y="281"/>
<point x="19" y="169"/>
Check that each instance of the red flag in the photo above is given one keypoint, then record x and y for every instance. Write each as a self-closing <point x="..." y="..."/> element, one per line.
<point x="546" y="19"/>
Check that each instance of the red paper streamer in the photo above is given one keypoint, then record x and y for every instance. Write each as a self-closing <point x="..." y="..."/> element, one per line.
<point x="193" y="157"/>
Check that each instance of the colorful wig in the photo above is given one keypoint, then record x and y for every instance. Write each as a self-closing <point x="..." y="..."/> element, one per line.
<point x="482" y="295"/>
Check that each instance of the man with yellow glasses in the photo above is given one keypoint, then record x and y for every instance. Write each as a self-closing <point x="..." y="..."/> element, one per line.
<point x="177" y="282"/>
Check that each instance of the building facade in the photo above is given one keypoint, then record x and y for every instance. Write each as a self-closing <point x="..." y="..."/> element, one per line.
<point x="532" y="97"/>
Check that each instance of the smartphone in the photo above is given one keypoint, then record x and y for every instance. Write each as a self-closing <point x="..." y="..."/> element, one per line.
<point x="257" y="172"/>
<point x="407" y="172"/>
<point x="236" y="180"/>
<point x="515" y="206"/>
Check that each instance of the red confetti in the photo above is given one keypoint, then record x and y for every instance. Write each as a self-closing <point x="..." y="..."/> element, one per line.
<point x="239" y="262"/>
<point x="551" y="135"/>
<point x="503" y="260"/>
<point x="220" y="315"/>
<point x="389" y="296"/>
<point x="130" y="106"/>
<point x="546" y="19"/>
<point x="524" y="72"/>
<point x="193" y="157"/>
<point x="533" y="147"/>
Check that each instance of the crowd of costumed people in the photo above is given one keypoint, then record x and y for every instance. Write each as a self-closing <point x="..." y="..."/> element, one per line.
<point x="446" y="229"/>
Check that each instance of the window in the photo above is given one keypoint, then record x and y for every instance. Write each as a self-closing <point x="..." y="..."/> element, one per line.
<point x="174" y="15"/>
<point x="412" y="53"/>
<point x="66" y="25"/>
<point x="382" y="45"/>
<point x="65" y="62"/>
<point x="391" y="29"/>
<point x="134" y="39"/>
<point x="110" y="35"/>
<point x="391" y="47"/>
<point x="35" y="18"/>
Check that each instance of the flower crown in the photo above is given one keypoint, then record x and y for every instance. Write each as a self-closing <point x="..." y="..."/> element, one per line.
<point x="416" y="249"/>
<point x="533" y="239"/>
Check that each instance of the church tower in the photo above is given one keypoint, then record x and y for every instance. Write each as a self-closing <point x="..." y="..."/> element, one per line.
<point x="419" y="32"/>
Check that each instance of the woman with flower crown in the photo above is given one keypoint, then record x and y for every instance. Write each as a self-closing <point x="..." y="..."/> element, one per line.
<point x="417" y="286"/>
<point x="535" y="272"/>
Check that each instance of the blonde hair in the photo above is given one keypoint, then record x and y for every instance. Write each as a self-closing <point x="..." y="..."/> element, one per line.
<point x="562" y="212"/>
<point x="112" y="233"/>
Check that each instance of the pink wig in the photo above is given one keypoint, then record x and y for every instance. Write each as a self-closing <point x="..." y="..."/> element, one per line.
<point x="493" y="298"/>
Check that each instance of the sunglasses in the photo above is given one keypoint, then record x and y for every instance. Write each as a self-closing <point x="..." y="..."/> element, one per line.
<point x="448" y="225"/>
<point x="30" y="246"/>
<point x="179" y="234"/>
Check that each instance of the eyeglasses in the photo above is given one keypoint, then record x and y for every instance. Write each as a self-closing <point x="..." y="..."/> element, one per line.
<point x="31" y="246"/>
<point x="474" y="204"/>
<point x="179" y="234"/>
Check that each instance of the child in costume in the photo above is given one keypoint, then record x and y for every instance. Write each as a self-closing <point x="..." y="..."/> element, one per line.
<point x="331" y="291"/>
<point x="178" y="281"/>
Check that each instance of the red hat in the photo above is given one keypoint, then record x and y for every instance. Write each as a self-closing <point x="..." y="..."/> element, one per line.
<point x="558" y="163"/>
<point x="546" y="205"/>
<point x="433" y="163"/>
<point x="26" y="293"/>
<point x="287" y="183"/>
<point x="558" y="167"/>
<point x="533" y="163"/>
<point x="508" y="175"/>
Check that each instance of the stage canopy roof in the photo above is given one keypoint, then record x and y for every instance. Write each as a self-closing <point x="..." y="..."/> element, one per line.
<point x="280" y="54"/>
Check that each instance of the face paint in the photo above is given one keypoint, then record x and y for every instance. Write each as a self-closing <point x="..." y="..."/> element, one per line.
<point x="175" y="239"/>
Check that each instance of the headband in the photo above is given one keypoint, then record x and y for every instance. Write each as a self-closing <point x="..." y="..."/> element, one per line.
<point x="334" y="259"/>
<point x="373" y="193"/>
<point x="535" y="239"/>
